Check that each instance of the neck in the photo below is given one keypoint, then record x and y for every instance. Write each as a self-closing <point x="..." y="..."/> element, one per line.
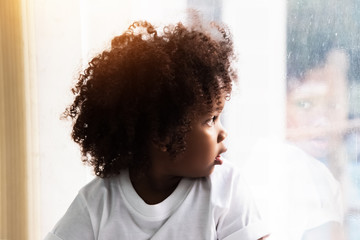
<point x="156" y="184"/>
<point x="153" y="188"/>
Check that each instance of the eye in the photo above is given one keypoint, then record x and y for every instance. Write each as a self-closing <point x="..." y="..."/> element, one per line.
<point x="211" y="121"/>
<point x="334" y="106"/>
<point x="304" y="104"/>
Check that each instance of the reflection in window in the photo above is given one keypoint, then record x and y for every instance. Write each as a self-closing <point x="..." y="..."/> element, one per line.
<point x="303" y="176"/>
<point x="323" y="92"/>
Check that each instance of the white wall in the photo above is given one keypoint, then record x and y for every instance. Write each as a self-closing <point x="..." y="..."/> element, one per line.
<point x="58" y="54"/>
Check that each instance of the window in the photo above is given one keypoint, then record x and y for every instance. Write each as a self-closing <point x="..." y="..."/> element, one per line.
<point x="296" y="131"/>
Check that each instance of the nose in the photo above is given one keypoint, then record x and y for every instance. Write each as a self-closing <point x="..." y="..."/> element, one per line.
<point x="222" y="135"/>
<point x="322" y="121"/>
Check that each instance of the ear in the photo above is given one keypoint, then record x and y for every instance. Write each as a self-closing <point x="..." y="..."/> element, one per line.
<point x="163" y="148"/>
<point x="161" y="145"/>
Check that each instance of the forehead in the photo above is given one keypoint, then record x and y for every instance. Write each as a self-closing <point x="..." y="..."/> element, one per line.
<point x="215" y="106"/>
<point x="309" y="89"/>
<point x="320" y="81"/>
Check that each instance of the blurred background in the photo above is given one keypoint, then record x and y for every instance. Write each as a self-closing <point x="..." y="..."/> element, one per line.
<point x="298" y="65"/>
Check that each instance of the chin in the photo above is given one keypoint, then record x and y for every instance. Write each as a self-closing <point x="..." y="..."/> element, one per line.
<point x="210" y="171"/>
<point x="204" y="173"/>
<point x="318" y="150"/>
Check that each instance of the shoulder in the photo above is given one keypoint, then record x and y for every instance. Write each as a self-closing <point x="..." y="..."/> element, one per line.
<point x="225" y="172"/>
<point x="77" y="222"/>
<point x="226" y="178"/>
<point x="319" y="174"/>
<point x="228" y="185"/>
<point x="81" y="220"/>
<point x="100" y="187"/>
<point x="229" y="191"/>
<point x="238" y="215"/>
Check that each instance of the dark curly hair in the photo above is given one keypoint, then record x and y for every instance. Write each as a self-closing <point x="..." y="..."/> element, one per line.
<point x="146" y="89"/>
<point x="315" y="28"/>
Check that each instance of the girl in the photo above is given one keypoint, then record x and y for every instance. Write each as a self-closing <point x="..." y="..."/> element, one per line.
<point x="146" y="115"/>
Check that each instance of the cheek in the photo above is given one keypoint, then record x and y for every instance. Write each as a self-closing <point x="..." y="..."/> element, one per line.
<point x="201" y="145"/>
<point x="295" y="118"/>
<point x="298" y="117"/>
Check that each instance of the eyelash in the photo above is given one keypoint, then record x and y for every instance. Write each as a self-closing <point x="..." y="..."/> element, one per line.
<point x="212" y="120"/>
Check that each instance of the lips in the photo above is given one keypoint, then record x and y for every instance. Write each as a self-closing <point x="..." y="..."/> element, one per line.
<point x="218" y="160"/>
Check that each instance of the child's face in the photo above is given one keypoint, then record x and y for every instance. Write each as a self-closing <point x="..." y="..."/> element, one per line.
<point x="204" y="144"/>
<point x="316" y="108"/>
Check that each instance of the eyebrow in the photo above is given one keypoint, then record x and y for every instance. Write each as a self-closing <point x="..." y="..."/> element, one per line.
<point x="214" y="109"/>
<point x="219" y="108"/>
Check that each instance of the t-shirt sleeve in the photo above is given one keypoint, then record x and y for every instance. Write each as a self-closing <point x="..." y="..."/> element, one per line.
<point x="75" y="224"/>
<point x="241" y="219"/>
<point x="329" y="193"/>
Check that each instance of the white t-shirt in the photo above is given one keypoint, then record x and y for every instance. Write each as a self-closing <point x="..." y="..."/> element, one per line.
<point x="294" y="191"/>
<point x="216" y="207"/>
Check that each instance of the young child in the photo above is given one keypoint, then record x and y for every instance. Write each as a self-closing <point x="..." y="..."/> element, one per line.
<point x="146" y="115"/>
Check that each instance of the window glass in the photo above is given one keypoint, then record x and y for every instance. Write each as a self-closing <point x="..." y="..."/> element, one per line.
<point x="323" y="92"/>
<point x="294" y="126"/>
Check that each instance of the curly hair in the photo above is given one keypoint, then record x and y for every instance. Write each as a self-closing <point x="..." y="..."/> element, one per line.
<point x="145" y="89"/>
<point x="314" y="29"/>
